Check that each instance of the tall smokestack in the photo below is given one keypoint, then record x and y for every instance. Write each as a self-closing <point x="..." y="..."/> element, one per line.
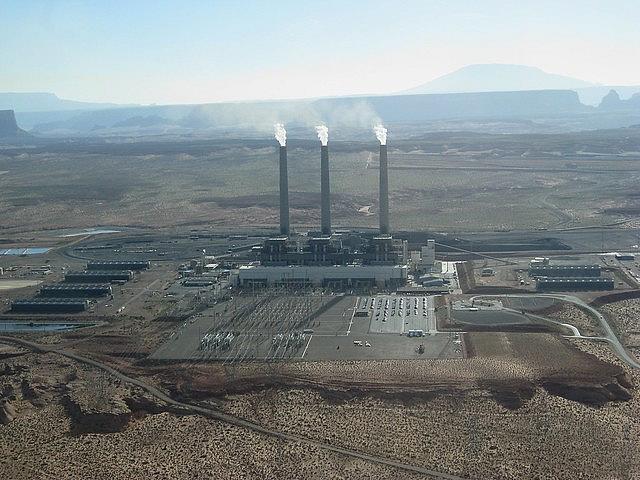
<point x="281" y="136"/>
<point x="284" y="192"/>
<point x="383" y="200"/>
<point x="325" y="189"/>
<point x="384" y="191"/>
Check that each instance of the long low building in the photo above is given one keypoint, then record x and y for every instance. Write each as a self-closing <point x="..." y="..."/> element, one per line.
<point x="566" y="271"/>
<point x="102" y="265"/>
<point x="199" y="282"/>
<point x="49" y="305"/>
<point x="574" y="283"/>
<point x="96" y="276"/>
<point x="71" y="290"/>
<point x="331" y="275"/>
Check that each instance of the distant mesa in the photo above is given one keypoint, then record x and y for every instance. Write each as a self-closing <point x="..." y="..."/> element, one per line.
<point x="350" y="112"/>
<point x="142" y="121"/>
<point x="499" y="78"/>
<point x="45" y="102"/>
<point x="9" y="127"/>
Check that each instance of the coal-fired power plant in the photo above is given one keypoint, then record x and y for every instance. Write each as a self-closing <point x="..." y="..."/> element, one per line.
<point x="384" y="191"/>
<point x="284" y="192"/>
<point x="337" y="260"/>
<point x="325" y="191"/>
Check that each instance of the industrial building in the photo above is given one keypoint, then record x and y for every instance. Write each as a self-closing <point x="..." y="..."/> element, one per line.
<point x="334" y="250"/>
<point x="541" y="270"/>
<point x="199" y="282"/>
<point x="46" y="305"/>
<point x="574" y="283"/>
<point x="330" y="259"/>
<point x="98" y="276"/>
<point x="74" y="290"/>
<point x="134" y="265"/>
<point x="423" y="261"/>
<point x="334" y="276"/>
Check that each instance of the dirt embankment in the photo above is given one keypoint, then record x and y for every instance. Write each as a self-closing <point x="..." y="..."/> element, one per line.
<point x="508" y="367"/>
<point x="555" y="365"/>
<point x="94" y="402"/>
<point x="519" y="400"/>
<point x="615" y="297"/>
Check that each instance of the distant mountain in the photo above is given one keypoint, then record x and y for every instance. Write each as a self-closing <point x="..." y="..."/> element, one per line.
<point x="594" y="95"/>
<point x="613" y="103"/>
<point x="498" y="78"/>
<point x="8" y="127"/>
<point x="347" y="112"/>
<point x="46" y="102"/>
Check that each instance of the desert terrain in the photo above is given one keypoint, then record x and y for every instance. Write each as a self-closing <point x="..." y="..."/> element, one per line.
<point x="515" y="403"/>
<point x="457" y="182"/>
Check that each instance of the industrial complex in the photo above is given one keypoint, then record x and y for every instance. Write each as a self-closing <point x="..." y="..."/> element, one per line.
<point x="328" y="259"/>
<point x="329" y="264"/>
<point x="324" y="312"/>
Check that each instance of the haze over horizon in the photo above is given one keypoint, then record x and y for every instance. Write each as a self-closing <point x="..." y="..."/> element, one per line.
<point x="198" y="52"/>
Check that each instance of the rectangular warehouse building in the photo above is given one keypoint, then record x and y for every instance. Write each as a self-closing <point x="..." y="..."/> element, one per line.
<point x="50" y="305"/>
<point x="98" y="276"/>
<point x="73" y="290"/>
<point x="539" y="270"/>
<point x="574" y="283"/>
<point x="199" y="282"/>
<point x="134" y="265"/>
<point x="331" y="275"/>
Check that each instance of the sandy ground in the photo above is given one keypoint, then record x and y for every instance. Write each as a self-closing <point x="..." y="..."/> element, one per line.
<point x="13" y="284"/>
<point x="626" y="318"/>
<point x="453" y="416"/>
<point x="568" y="313"/>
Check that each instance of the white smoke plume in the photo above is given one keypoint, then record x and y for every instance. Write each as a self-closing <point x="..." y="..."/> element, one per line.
<point x="323" y="134"/>
<point x="381" y="133"/>
<point x="281" y="134"/>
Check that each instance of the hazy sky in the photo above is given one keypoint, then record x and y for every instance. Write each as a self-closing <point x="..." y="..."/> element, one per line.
<point x="196" y="51"/>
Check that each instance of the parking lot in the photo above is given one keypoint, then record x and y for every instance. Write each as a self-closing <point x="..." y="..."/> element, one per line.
<point x="398" y="314"/>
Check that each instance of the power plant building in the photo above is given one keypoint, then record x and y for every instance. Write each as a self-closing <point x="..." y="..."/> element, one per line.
<point x="46" y="305"/>
<point x="98" y="276"/>
<point x="329" y="259"/>
<point x="542" y="270"/>
<point x="336" y="276"/>
<point x="135" y="265"/>
<point x="74" y="290"/>
<point x="574" y="283"/>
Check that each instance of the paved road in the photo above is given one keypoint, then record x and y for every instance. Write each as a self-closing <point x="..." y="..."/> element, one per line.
<point x="609" y="336"/>
<point x="223" y="417"/>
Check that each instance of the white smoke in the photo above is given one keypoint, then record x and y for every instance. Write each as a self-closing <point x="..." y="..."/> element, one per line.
<point x="281" y="134"/>
<point x="323" y="134"/>
<point x="381" y="133"/>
